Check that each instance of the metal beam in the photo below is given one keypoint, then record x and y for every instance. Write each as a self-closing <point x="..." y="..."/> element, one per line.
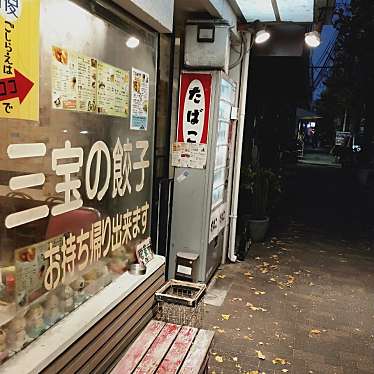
<point x="276" y="10"/>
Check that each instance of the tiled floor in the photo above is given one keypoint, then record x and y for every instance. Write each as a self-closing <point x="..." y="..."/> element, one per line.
<point x="302" y="298"/>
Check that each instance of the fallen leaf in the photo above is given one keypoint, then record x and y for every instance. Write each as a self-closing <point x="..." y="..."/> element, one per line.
<point x="314" y="332"/>
<point x="226" y="316"/>
<point x="237" y="299"/>
<point x="248" y="338"/>
<point x="257" y="258"/>
<point x="221" y="276"/>
<point x="279" y="361"/>
<point x="237" y="329"/>
<point x="248" y="274"/>
<point x="215" y="327"/>
<point x="273" y="280"/>
<point x="261" y="343"/>
<point x="260" y="355"/>
<point x="219" y="358"/>
<point x="235" y="359"/>
<point x="253" y="372"/>
<point x="221" y="331"/>
<point x="260" y="293"/>
<point x="255" y="308"/>
<point x="311" y="284"/>
<point x="284" y="370"/>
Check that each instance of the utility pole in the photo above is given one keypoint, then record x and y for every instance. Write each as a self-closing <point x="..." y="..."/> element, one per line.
<point x="345" y="119"/>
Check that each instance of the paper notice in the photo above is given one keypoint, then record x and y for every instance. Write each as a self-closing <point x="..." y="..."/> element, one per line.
<point x="87" y="73"/>
<point x="189" y="155"/>
<point x="139" y="100"/>
<point x="64" y="79"/>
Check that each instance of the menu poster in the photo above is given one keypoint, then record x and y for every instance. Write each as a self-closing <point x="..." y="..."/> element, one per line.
<point x="105" y="88"/>
<point x="139" y="100"/>
<point x="122" y="94"/>
<point x="64" y="79"/>
<point x="87" y="73"/>
<point x="112" y="90"/>
<point x="31" y="267"/>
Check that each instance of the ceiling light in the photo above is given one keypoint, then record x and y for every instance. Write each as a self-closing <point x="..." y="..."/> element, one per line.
<point x="262" y="36"/>
<point x="83" y="132"/>
<point x="313" y="39"/>
<point x="132" y="42"/>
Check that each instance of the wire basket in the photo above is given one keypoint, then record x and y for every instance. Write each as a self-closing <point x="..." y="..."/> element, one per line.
<point x="181" y="303"/>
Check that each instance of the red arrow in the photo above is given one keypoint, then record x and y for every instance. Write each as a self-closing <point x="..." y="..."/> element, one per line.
<point x="17" y="86"/>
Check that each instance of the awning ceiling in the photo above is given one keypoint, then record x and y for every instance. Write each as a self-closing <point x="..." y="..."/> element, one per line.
<point x="301" y="11"/>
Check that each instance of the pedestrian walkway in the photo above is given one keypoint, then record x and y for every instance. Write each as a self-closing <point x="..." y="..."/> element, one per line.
<point x="300" y="303"/>
<point x="319" y="158"/>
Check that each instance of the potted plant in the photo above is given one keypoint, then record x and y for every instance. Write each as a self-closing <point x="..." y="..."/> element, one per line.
<point x="263" y="187"/>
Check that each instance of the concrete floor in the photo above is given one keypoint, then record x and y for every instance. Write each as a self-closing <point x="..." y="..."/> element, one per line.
<point x="304" y="298"/>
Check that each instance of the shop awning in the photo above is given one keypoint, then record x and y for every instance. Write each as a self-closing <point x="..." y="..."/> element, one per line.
<point x="303" y="114"/>
<point x="300" y="11"/>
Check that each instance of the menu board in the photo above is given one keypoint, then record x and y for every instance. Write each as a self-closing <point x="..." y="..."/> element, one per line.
<point x="139" y="100"/>
<point x="64" y="79"/>
<point x="85" y="84"/>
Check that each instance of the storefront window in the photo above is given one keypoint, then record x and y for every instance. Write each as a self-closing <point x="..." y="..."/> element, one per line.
<point x="75" y="186"/>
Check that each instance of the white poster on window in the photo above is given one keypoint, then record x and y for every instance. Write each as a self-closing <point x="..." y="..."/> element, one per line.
<point x="139" y="100"/>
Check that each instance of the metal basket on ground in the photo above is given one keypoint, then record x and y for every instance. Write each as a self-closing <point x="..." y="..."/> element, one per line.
<point x="181" y="303"/>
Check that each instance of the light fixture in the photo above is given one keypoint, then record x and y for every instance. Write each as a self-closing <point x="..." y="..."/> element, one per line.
<point x="313" y="39"/>
<point x="83" y="132"/>
<point x="65" y="131"/>
<point x="132" y="42"/>
<point x="262" y="36"/>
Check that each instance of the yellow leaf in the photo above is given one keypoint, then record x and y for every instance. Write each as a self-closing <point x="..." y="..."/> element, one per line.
<point x="260" y="293"/>
<point x="314" y="332"/>
<point x="221" y="331"/>
<point x="279" y="361"/>
<point x="219" y="358"/>
<point x="221" y="276"/>
<point x="235" y="359"/>
<point x="260" y="355"/>
<point x="253" y="372"/>
<point x="248" y="338"/>
<point x="284" y="370"/>
<point x="248" y="274"/>
<point x="226" y="316"/>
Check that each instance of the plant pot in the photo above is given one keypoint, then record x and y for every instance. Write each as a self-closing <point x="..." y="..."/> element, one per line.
<point x="258" y="228"/>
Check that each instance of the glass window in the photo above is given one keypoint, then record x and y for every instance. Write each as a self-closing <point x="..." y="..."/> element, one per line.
<point x="72" y="224"/>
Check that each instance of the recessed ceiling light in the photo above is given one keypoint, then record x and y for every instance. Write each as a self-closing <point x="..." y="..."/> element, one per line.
<point x="262" y="36"/>
<point x="132" y="42"/>
<point x="313" y="39"/>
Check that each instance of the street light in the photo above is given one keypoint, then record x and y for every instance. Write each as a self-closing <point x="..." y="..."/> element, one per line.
<point x="313" y="39"/>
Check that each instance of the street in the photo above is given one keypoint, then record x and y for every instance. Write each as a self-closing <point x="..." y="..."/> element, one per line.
<point x="302" y="302"/>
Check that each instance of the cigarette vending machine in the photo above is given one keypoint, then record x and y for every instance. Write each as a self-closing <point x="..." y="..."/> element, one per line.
<point x="201" y="156"/>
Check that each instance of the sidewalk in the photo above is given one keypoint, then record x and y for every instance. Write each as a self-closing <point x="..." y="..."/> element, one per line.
<point x="319" y="159"/>
<point x="301" y="303"/>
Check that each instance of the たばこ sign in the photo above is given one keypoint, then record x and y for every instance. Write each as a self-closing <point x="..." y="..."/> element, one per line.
<point x="194" y="108"/>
